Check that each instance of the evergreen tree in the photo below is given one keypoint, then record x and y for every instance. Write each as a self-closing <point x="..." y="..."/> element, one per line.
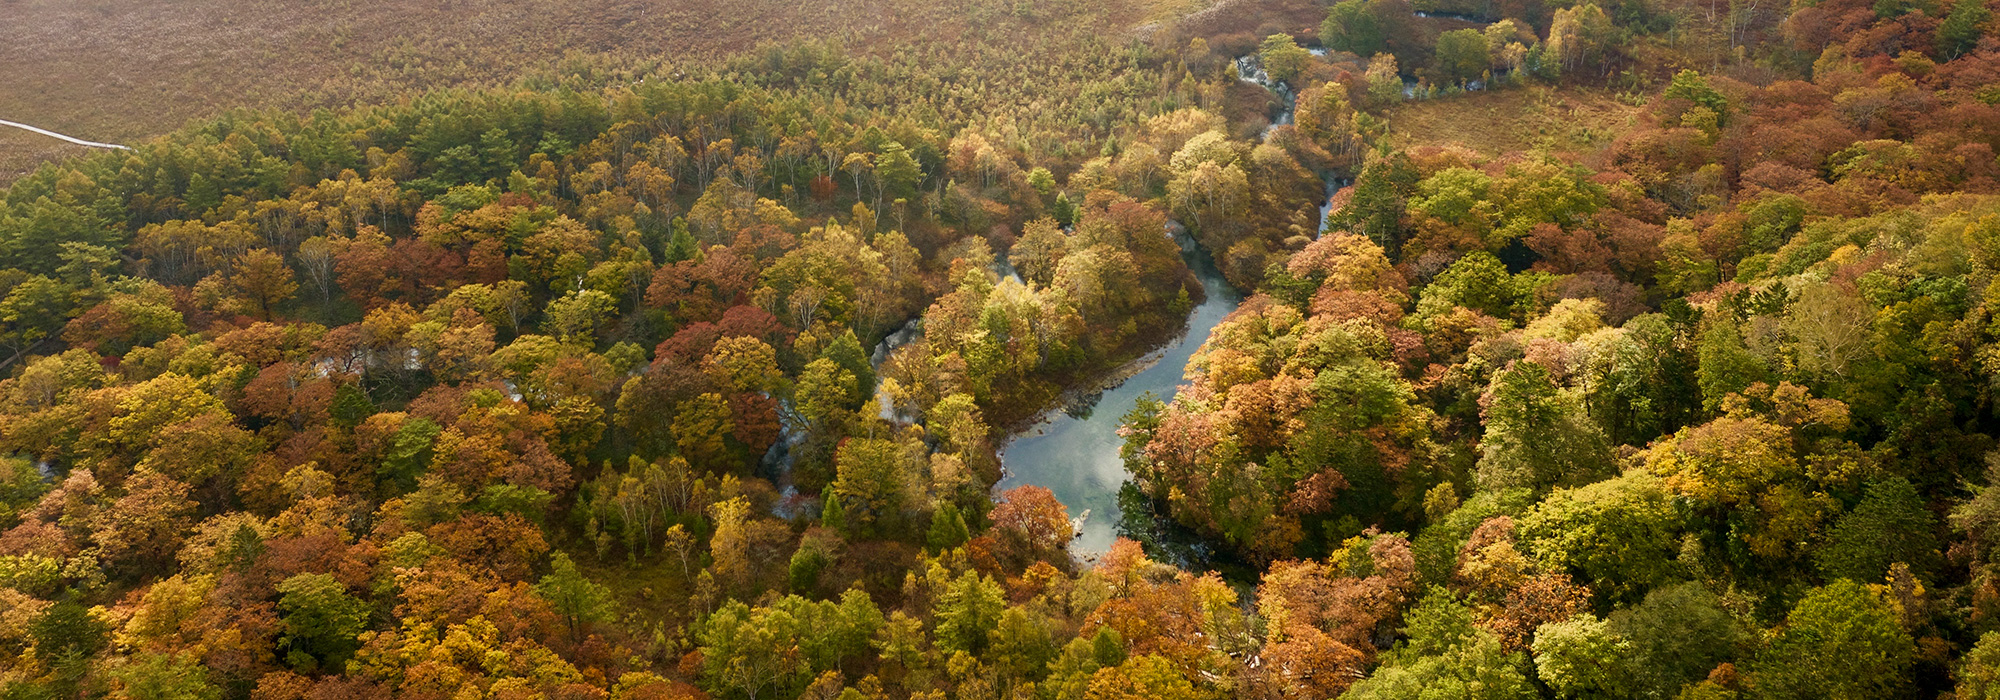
<point x="320" y="620"/>
<point x="578" y="600"/>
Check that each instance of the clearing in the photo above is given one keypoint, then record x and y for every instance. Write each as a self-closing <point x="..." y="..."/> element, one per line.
<point x="1569" y="121"/>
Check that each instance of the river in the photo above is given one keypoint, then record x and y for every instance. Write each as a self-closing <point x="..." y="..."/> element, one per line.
<point x="1074" y="452"/>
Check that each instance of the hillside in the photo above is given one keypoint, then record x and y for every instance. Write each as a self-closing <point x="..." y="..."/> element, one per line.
<point x="1002" y="350"/>
<point x="127" y="70"/>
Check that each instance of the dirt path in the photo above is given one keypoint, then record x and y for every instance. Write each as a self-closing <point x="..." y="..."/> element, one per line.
<point x="71" y="139"/>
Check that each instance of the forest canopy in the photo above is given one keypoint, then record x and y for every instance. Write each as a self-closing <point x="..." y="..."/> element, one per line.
<point x="693" y="384"/>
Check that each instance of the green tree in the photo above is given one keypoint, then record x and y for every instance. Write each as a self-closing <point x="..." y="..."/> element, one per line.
<point x="948" y="528"/>
<point x="166" y="677"/>
<point x="830" y="632"/>
<point x="1022" y="644"/>
<point x="1962" y="28"/>
<point x="1379" y="203"/>
<point x="846" y="351"/>
<point x="32" y="239"/>
<point x="746" y="652"/>
<point x="1727" y="365"/>
<point x="1691" y="86"/>
<point x="1351" y="27"/>
<point x="824" y="395"/>
<point x="1042" y="180"/>
<point x="32" y="309"/>
<point x="1582" y="657"/>
<point x="407" y="456"/>
<point x="900" y="174"/>
<point x="1540" y="191"/>
<point x="1646" y="381"/>
<point x="869" y="480"/>
<point x="1461" y="56"/>
<point x="1445" y="656"/>
<point x="1459" y="196"/>
<point x="1622" y="534"/>
<point x="1478" y="281"/>
<point x="1676" y="635"/>
<point x="1284" y="60"/>
<point x="1842" y="641"/>
<point x="68" y="632"/>
<point x="578" y="600"/>
<point x="1979" y="670"/>
<point x="808" y="562"/>
<point x="320" y="622"/>
<point x="1537" y="435"/>
<point x="681" y="245"/>
<point x="350" y="405"/>
<point x="968" y="612"/>
<point x="1890" y="525"/>
<point x="576" y="316"/>
<point x="1772" y="219"/>
<point x="776" y="649"/>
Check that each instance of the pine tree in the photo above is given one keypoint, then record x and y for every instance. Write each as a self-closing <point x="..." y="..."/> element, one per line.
<point x="948" y="528"/>
<point x="578" y="600"/>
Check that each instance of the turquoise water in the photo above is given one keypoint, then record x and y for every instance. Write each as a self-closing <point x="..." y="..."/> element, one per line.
<point x="1075" y="453"/>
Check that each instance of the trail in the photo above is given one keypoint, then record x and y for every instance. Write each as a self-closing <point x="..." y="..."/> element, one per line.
<point x="71" y="139"/>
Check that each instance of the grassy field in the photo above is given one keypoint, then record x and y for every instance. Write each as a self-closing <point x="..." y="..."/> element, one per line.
<point x="123" y="71"/>
<point x="126" y="70"/>
<point x="1564" y="121"/>
<point x="21" y="150"/>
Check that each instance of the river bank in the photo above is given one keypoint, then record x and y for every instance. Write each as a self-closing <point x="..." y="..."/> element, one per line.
<point x="1074" y="449"/>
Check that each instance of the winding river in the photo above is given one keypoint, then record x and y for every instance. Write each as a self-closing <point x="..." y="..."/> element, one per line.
<point x="1074" y="452"/>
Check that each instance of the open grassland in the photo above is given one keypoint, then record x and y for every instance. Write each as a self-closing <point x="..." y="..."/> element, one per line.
<point x="1566" y="121"/>
<point x="126" y="70"/>
<point x="20" y="150"/>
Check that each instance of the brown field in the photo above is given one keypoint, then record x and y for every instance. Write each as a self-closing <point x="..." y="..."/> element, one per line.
<point x="126" y="70"/>
<point x="1568" y="121"/>
<point x="21" y="150"/>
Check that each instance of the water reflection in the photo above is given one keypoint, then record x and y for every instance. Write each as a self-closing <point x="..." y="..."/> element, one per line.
<point x="1074" y="452"/>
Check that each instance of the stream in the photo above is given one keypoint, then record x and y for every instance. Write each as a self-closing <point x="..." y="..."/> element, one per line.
<point x="1481" y="21"/>
<point x="1074" y="452"/>
<point x="1250" y="70"/>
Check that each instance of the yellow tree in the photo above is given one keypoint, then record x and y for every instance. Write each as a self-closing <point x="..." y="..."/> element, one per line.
<point x="260" y="279"/>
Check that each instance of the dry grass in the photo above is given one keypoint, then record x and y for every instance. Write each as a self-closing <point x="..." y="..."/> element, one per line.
<point x="1565" y="122"/>
<point x="127" y="70"/>
<point x="20" y="151"/>
<point x="1255" y="18"/>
